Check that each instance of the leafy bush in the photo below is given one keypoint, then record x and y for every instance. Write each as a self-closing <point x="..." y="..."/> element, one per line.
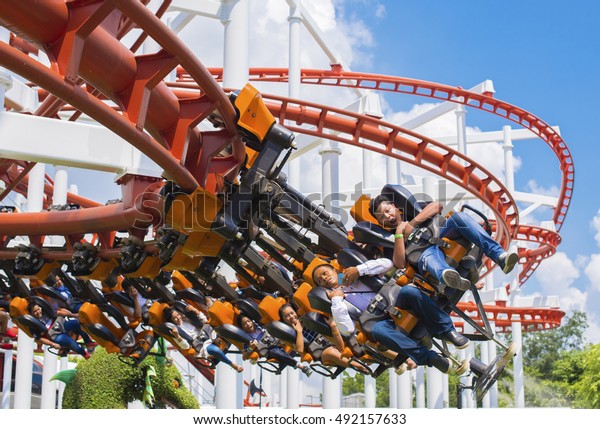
<point x="104" y="382"/>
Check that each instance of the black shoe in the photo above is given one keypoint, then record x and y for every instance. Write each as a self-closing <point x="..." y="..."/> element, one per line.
<point x="439" y="362"/>
<point x="454" y="280"/>
<point x="508" y="260"/>
<point x="458" y="339"/>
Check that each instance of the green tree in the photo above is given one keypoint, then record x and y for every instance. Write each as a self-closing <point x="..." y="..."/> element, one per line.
<point x="587" y="389"/>
<point x="542" y="349"/>
<point x="356" y="384"/>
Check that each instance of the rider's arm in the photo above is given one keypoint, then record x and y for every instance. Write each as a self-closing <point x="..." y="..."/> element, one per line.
<point x="374" y="267"/>
<point x="428" y="212"/>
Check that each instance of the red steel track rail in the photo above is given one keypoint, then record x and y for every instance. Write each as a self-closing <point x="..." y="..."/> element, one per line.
<point x="546" y="240"/>
<point x="89" y="64"/>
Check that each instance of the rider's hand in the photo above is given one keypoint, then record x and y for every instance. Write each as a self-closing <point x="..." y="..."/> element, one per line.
<point x="351" y="274"/>
<point x="335" y="292"/>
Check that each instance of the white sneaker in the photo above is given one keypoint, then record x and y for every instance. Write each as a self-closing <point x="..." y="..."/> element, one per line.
<point x="508" y="260"/>
<point x="454" y="280"/>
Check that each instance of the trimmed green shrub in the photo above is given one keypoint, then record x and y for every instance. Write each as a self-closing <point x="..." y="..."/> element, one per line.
<point x="103" y="381"/>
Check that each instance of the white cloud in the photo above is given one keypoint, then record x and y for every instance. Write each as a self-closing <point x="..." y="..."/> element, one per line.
<point x="596" y="226"/>
<point x="592" y="271"/>
<point x="556" y="274"/>
<point x="552" y="191"/>
<point x="380" y="11"/>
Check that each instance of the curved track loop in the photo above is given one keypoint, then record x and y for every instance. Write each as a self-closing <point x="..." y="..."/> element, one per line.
<point x="394" y="141"/>
<point x="485" y="102"/>
<point x="531" y="319"/>
<point x="88" y="61"/>
<point x="546" y="240"/>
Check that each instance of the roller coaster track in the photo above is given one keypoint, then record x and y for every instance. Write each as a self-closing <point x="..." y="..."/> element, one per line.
<point x="546" y="240"/>
<point x="89" y="64"/>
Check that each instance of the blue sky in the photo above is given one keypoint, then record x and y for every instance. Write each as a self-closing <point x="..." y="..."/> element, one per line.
<point x="541" y="55"/>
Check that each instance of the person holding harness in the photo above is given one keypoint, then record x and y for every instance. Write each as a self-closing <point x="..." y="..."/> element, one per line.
<point x="261" y="340"/>
<point x="419" y="241"/>
<point x="60" y="331"/>
<point x="437" y="322"/>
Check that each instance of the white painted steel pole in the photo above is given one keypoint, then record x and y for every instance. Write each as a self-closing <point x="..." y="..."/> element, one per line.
<point x="332" y="393"/>
<point x="485" y="358"/>
<point x="405" y="390"/>
<point x="509" y="171"/>
<point x="370" y="392"/>
<point x="7" y="379"/>
<point x="235" y="19"/>
<point x="25" y="344"/>
<point x="420" y="386"/>
<point x="293" y="388"/>
<point x="393" y="388"/>
<point x="391" y="173"/>
<point x="330" y="186"/>
<point x="5" y="84"/>
<point x="226" y="387"/>
<point x="64" y="364"/>
<point x="492" y="352"/>
<point x="435" y="384"/>
<point x="518" y="375"/>
<point x="295" y="27"/>
<point x="461" y="128"/>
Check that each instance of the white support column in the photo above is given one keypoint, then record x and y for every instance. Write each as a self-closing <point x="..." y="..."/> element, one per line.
<point x="509" y="171"/>
<point x="518" y="374"/>
<point x="235" y="19"/>
<point x="227" y="390"/>
<point x="5" y="84"/>
<point x="7" y="379"/>
<point x="435" y="384"/>
<point x="405" y="390"/>
<point x="332" y="393"/>
<point x="445" y="392"/>
<point x="293" y="388"/>
<point x="371" y="392"/>
<point x="485" y="358"/>
<point x="399" y="172"/>
<point x="393" y="386"/>
<point x="283" y="389"/>
<point x="492" y="352"/>
<point x="391" y="174"/>
<point x="48" y="400"/>
<point x="330" y="154"/>
<point x="420" y="386"/>
<point x="64" y="365"/>
<point x="467" y="380"/>
<point x="461" y="128"/>
<point x="367" y="169"/>
<point x="59" y="195"/>
<point x="25" y="344"/>
<point x="295" y="26"/>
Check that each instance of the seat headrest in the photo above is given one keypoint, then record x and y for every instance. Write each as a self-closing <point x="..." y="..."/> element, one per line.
<point x="405" y="200"/>
<point x="282" y="331"/>
<point x="249" y="308"/>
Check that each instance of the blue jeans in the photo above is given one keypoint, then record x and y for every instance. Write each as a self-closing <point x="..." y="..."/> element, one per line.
<point x="437" y="322"/>
<point x="65" y="340"/>
<point x="284" y="358"/>
<point x="458" y="225"/>
<point x="217" y="354"/>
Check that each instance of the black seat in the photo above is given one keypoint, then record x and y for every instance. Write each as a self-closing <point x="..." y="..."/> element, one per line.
<point x="282" y="331"/>
<point x="34" y="325"/>
<point x="233" y="333"/>
<point x="249" y="308"/>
